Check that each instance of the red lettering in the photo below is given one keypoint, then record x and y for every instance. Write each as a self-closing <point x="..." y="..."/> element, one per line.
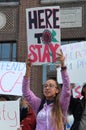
<point x="46" y="54"/>
<point x="32" y="55"/>
<point x="54" y="48"/>
<point x="77" y="92"/>
<point x="18" y="81"/>
<point x="41" y="53"/>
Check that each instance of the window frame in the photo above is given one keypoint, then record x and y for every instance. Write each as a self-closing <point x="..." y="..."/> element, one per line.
<point x="12" y="48"/>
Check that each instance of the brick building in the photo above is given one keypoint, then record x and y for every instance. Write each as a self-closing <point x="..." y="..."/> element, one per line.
<point x="13" y="31"/>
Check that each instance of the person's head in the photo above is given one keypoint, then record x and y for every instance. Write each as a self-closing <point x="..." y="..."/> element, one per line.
<point x="83" y="92"/>
<point x="24" y="108"/>
<point x="50" y="89"/>
<point x="24" y="103"/>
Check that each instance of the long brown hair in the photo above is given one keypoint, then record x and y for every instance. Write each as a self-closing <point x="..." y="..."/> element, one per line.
<point x="57" y="114"/>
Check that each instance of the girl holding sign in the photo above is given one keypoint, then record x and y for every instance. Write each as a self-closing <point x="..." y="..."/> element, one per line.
<point x="51" y="111"/>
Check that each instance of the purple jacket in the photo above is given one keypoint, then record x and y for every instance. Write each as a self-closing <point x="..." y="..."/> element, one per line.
<point x="44" y="121"/>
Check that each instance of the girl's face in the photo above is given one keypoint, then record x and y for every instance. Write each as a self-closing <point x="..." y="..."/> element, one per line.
<point x="50" y="89"/>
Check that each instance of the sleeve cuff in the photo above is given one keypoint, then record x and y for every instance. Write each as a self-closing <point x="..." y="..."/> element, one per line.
<point x="64" y="68"/>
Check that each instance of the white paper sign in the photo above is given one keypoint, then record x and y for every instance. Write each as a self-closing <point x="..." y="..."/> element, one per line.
<point x="75" y="57"/>
<point x="11" y="76"/>
<point x="77" y="90"/>
<point x="43" y="33"/>
<point x="9" y="115"/>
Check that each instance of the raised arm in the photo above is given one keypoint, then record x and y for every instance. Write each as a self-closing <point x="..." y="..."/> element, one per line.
<point x="33" y="100"/>
<point x="66" y="89"/>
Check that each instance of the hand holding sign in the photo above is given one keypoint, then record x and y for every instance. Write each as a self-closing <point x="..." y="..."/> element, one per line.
<point x="60" y="57"/>
<point x="28" y="68"/>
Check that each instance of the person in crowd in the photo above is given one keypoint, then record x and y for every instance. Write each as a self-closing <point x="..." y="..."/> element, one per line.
<point x="27" y="116"/>
<point x="51" y="111"/>
<point x="77" y="107"/>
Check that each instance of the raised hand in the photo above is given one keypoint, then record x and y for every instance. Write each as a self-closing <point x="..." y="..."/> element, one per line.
<point x="60" y="57"/>
<point x="28" y="67"/>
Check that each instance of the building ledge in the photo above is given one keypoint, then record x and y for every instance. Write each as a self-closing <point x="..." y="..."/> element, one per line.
<point x="9" y="3"/>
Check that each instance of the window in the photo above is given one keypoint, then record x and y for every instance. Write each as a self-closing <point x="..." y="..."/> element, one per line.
<point x="8" y="51"/>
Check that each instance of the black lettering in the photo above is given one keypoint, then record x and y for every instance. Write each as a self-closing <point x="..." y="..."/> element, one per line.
<point x="32" y="20"/>
<point x="55" y="18"/>
<point x="38" y="36"/>
<point x="48" y="14"/>
<point x="40" y="19"/>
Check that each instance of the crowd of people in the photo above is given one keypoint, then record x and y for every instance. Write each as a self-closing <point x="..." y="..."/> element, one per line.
<point x="50" y="111"/>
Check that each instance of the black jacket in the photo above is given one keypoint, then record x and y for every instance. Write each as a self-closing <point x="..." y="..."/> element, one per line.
<point x="76" y="108"/>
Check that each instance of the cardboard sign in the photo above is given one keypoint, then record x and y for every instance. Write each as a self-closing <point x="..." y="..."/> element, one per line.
<point x="11" y="76"/>
<point x="43" y="33"/>
<point x="9" y="115"/>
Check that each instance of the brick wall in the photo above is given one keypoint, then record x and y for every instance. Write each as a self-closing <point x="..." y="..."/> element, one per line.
<point x="36" y="73"/>
<point x="10" y="31"/>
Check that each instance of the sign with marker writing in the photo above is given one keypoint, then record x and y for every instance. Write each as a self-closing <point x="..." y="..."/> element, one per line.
<point x="43" y="33"/>
<point x="77" y="90"/>
<point x="75" y="57"/>
<point x="9" y="115"/>
<point x="11" y="76"/>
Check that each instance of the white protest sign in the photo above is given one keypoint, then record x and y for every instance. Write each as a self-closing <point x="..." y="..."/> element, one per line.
<point x="11" y="76"/>
<point x="43" y="33"/>
<point x="77" y="91"/>
<point x="75" y="56"/>
<point x="9" y="115"/>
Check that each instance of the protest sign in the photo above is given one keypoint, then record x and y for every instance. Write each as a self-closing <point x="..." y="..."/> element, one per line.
<point x="75" y="57"/>
<point x="43" y="33"/>
<point x="76" y="91"/>
<point x="9" y="115"/>
<point x="11" y="76"/>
